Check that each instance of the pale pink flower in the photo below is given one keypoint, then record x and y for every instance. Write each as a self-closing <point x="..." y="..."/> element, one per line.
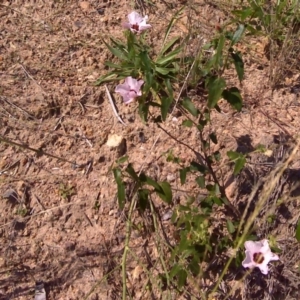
<point x="137" y="23"/>
<point x="130" y="89"/>
<point x="258" y="254"/>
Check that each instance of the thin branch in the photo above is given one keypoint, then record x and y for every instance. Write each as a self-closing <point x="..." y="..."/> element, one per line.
<point x="113" y="106"/>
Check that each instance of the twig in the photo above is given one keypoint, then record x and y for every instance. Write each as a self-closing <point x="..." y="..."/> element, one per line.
<point x="183" y="86"/>
<point x="17" y="107"/>
<point x="39" y="202"/>
<point x="32" y="78"/>
<point x="113" y="106"/>
<point x="39" y="151"/>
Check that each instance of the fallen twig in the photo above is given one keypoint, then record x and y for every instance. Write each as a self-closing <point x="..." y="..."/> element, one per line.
<point x="113" y="106"/>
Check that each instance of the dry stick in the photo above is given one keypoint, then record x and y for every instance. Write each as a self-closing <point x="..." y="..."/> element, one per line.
<point x="183" y="86"/>
<point x="32" y="78"/>
<point x="37" y="151"/>
<point x="99" y="282"/>
<point x="203" y="158"/>
<point x="113" y="106"/>
<point x="45" y="211"/>
<point x="269" y="186"/>
<point x="19" y="108"/>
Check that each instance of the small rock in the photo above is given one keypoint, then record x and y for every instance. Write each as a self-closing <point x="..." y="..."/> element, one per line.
<point x="85" y="5"/>
<point x="114" y="140"/>
<point x="101" y="11"/>
<point x="167" y="215"/>
<point x="142" y="137"/>
<point x="40" y="293"/>
<point x="57" y="212"/>
<point x="170" y="177"/>
<point x="78" y="24"/>
<point x="69" y="246"/>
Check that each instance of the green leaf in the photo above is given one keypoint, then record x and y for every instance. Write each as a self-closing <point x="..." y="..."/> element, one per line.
<point x="230" y="226"/>
<point x="233" y="97"/>
<point x="167" y="192"/>
<point x="121" y="188"/>
<point x="169" y="90"/>
<point x="143" y="111"/>
<point x="217" y="200"/>
<point x="146" y="61"/>
<point x="197" y="167"/>
<point x="182" y="275"/>
<point x="213" y="138"/>
<point x="238" y="64"/>
<point x="143" y="198"/>
<point x="169" y="45"/>
<point x="239" y="161"/>
<point x="216" y="156"/>
<point x="165" y="105"/>
<point x="232" y="155"/>
<point x="190" y="107"/>
<point x="169" y="57"/>
<point x="122" y="55"/>
<point x="238" y="33"/>
<point x="215" y="87"/>
<point x="148" y="82"/>
<point x="239" y="165"/>
<point x="162" y="189"/>
<point x="298" y="231"/>
<point x="122" y="159"/>
<point x="201" y="181"/>
<point x="112" y="65"/>
<point x="187" y="123"/>
<point x="182" y="175"/>
<point x="129" y="169"/>
<point x="170" y="26"/>
<point x="174" y="271"/>
<point x="163" y="71"/>
<point x="244" y="13"/>
<point x="146" y="179"/>
<point x="218" y="56"/>
<point x="107" y="77"/>
<point x="194" y="266"/>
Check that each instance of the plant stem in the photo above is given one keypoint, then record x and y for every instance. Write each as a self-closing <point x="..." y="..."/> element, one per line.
<point x="126" y="246"/>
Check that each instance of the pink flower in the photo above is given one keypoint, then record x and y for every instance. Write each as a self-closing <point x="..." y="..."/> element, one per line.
<point x="137" y="23"/>
<point x="130" y="89"/>
<point x="258" y="254"/>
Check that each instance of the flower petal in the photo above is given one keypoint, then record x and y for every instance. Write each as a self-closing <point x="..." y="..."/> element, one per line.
<point x="269" y="256"/>
<point x="122" y="88"/>
<point x="253" y="247"/>
<point x="136" y="85"/>
<point x="127" y="100"/>
<point x="265" y="247"/>
<point x="129" y="97"/>
<point x="143" y="27"/>
<point x="126" y="25"/>
<point x="264" y="268"/>
<point x="248" y="262"/>
<point x="131" y="82"/>
<point x="135" y="18"/>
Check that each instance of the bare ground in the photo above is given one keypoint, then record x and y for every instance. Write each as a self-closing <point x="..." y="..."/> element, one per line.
<point x="60" y="221"/>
